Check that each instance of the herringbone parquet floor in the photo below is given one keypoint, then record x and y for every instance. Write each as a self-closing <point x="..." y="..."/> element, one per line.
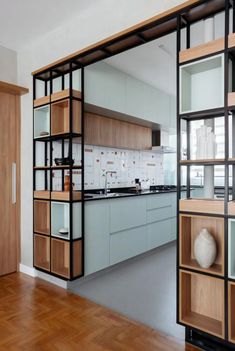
<point x="37" y="316"/>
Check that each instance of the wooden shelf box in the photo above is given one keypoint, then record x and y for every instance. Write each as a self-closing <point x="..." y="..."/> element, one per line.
<point x="231" y="248"/>
<point x="65" y="195"/>
<point x="202" y="85"/>
<point x="42" y="252"/>
<point x="190" y="226"/>
<point x="60" y="113"/>
<point x="205" y="49"/>
<point x="42" y="121"/>
<point x="231" y="314"/>
<point x="60" y="215"/>
<point x="202" y="206"/>
<point x="202" y="302"/>
<point x="60" y="258"/>
<point x="42" y="217"/>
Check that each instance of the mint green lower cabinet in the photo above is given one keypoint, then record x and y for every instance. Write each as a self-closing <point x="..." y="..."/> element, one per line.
<point x="158" y="214"/>
<point x="127" y="213"/>
<point x="118" y="229"/>
<point x="173" y="228"/>
<point x="96" y="236"/>
<point x="197" y="192"/>
<point x="127" y="244"/>
<point x="159" y="233"/>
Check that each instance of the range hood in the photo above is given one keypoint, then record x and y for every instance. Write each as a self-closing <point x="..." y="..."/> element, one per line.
<point x="161" y="142"/>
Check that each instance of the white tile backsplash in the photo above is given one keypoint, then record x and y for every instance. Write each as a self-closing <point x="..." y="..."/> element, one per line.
<point x="128" y="165"/>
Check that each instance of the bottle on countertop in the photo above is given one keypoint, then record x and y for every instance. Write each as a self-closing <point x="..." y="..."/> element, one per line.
<point x="137" y="184"/>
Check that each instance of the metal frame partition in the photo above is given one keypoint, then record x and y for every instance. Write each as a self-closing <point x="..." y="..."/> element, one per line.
<point x="48" y="163"/>
<point x="193" y="335"/>
<point x="182" y="18"/>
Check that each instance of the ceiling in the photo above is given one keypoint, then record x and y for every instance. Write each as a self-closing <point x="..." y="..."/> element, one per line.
<point x="22" y="21"/>
<point x="153" y="63"/>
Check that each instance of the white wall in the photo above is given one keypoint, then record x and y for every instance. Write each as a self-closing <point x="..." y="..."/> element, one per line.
<point x="8" y="65"/>
<point x="105" y="18"/>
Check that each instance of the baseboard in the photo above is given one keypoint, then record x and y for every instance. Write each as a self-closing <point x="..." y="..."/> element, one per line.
<point x="28" y="270"/>
<point x="32" y="272"/>
<point x="51" y="279"/>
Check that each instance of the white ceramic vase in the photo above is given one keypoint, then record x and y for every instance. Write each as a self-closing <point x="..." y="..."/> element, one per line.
<point x="205" y="249"/>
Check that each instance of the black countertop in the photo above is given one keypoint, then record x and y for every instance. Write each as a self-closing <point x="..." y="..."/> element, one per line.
<point x="90" y="196"/>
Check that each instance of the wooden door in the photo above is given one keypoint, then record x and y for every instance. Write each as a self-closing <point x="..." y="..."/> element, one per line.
<point x="9" y="178"/>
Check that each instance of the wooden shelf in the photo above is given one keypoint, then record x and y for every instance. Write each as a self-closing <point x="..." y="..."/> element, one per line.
<point x="231" y="208"/>
<point x="202" y="302"/>
<point x="41" y="194"/>
<point x="66" y="167"/>
<point x="190" y="227"/>
<point x="60" y="121"/>
<point x="202" y="206"/>
<point x="42" y="252"/>
<point x="231" y="100"/>
<point x="214" y="161"/>
<point x="41" y="101"/>
<point x="42" y="217"/>
<point x="231" y="40"/>
<point x="231" y="248"/>
<point x="65" y="94"/>
<point x="231" y="309"/>
<point x="64" y="195"/>
<point x="41" y="168"/>
<point x="60" y="258"/>
<point x="212" y="47"/>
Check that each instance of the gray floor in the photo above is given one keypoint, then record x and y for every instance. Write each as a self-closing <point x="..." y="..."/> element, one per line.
<point x="143" y="289"/>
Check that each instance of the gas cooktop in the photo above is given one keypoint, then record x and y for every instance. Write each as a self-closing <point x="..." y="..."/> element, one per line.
<point x="162" y="187"/>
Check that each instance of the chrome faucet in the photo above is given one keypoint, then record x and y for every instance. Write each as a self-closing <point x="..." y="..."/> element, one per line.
<point x="106" y="180"/>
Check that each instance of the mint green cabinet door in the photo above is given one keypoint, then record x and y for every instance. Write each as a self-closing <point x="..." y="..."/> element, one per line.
<point x="173" y="204"/>
<point x="159" y="201"/>
<point x="197" y="192"/>
<point x="159" y="233"/>
<point x="127" y="244"/>
<point x="96" y="236"/>
<point x="173" y="228"/>
<point x="127" y="213"/>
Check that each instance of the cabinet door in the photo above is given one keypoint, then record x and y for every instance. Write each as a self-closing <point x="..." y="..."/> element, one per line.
<point x="127" y="244"/>
<point x="10" y="182"/>
<point x="96" y="236"/>
<point x="159" y="233"/>
<point x="127" y="213"/>
<point x="173" y="228"/>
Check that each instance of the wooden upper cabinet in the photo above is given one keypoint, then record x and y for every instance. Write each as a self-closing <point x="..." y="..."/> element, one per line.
<point x="105" y="131"/>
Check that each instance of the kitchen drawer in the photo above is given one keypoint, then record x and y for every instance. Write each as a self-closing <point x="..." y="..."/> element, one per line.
<point x="158" y="201"/>
<point x="159" y="214"/>
<point x="159" y="233"/>
<point x="127" y="244"/>
<point x="127" y="213"/>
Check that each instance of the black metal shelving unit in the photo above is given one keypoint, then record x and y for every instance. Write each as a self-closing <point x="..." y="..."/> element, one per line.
<point x="56" y="249"/>
<point x="182" y="18"/>
<point x="194" y="334"/>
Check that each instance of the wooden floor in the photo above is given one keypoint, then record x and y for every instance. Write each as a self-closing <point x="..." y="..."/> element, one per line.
<point x="37" y="316"/>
